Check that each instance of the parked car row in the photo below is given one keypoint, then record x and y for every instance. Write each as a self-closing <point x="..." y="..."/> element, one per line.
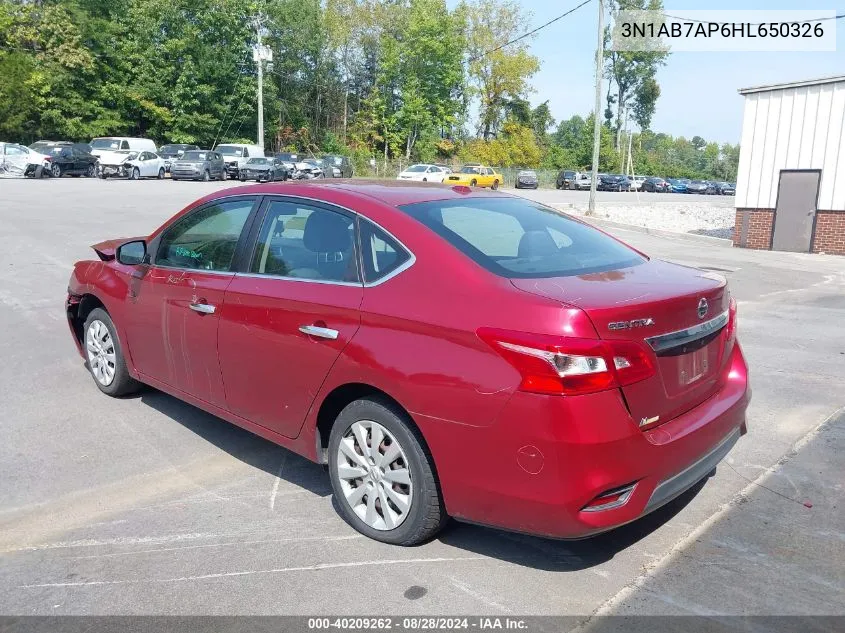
<point x="571" y="179"/>
<point x="135" y="158"/>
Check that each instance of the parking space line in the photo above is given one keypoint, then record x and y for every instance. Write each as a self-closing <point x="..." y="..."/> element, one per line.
<point x="176" y="549"/>
<point x="280" y="570"/>
<point x="278" y="479"/>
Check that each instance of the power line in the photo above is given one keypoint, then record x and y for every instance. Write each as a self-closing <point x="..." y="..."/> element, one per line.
<point x="226" y="116"/>
<point x="824" y="19"/>
<point x="531" y="32"/>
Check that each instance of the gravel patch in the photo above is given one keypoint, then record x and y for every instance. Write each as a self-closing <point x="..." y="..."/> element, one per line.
<point x="715" y="220"/>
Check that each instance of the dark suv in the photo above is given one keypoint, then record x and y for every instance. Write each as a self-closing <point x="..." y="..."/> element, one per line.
<point x="565" y="179"/>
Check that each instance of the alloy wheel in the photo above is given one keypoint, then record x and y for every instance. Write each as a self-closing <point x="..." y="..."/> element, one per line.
<point x="374" y="475"/>
<point x="101" y="352"/>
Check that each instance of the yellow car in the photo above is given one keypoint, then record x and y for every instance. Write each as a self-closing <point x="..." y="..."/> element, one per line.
<point x="475" y="176"/>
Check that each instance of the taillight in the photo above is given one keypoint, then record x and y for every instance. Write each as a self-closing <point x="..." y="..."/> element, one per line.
<point x="730" y="329"/>
<point x="563" y="365"/>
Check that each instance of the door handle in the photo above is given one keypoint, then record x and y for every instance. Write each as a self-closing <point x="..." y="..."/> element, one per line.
<point x="202" y="308"/>
<point x="320" y="332"/>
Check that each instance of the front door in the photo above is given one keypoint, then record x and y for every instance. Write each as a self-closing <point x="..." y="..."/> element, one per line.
<point x="798" y="193"/>
<point x="285" y="322"/>
<point x="174" y="304"/>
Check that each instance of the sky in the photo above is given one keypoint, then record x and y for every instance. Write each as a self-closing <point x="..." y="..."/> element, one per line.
<point x="698" y="90"/>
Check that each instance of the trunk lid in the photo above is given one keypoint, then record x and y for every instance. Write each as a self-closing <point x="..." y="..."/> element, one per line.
<point x="640" y="304"/>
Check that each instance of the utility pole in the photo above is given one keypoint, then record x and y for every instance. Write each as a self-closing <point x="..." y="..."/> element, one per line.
<point x="259" y="55"/>
<point x="591" y="208"/>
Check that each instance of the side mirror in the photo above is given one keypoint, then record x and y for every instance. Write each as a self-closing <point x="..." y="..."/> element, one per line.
<point x="132" y="253"/>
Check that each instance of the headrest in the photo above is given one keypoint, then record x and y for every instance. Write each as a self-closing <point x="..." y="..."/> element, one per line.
<point x="536" y="244"/>
<point x="327" y="232"/>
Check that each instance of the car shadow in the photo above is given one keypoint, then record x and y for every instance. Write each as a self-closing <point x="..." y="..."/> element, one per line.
<point x="244" y="446"/>
<point x="520" y="549"/>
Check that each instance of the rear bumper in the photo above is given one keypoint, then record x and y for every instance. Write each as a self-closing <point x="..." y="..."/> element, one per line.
<point x="546" y="458"/>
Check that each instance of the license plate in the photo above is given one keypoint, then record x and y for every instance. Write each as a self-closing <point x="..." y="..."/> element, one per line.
<point x="693" y="366"/>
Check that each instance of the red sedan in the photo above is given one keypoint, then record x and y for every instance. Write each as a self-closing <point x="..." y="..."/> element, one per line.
<point x="446" y="351"/>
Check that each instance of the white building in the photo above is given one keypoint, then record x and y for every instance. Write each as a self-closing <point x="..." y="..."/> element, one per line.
<point x="790" y="190"/>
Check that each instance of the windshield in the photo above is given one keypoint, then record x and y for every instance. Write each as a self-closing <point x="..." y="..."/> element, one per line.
<point x="230" y="150"/>
<point x="527" y="173"/>
<point x="521" y="239"/>
<point x="258" y="161"/>
<point x="194" y="156"/>
<point x="40" y="147"/>
<point x="105" y="143"/>
<point x="468" y="169"/>
<point x="172" y="149"/>
<point x="416" y="168"/>
<point x="286" y="156"/>
<point x="313" y="161"/>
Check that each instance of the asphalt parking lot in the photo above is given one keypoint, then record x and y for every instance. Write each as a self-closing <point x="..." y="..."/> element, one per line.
<point x="147" y="505"/>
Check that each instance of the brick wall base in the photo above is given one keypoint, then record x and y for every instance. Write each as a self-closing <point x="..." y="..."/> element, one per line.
<point x="829" y="236"/>
<point x="753" y="228"/>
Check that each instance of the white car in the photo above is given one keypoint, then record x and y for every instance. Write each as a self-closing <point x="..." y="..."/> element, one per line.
<point x="637" y="183"/>
<point x="581" y="182"/>
<point x="424" y="173"/>
<point x="19" y="160"/>
<point x="130" y="164"/>
<point x="107" y="144"/>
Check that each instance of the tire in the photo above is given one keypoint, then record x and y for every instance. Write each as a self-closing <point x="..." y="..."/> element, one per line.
<point x="425" y="515"/>
<point x="91" y="172"/>
<point x="161" y="173"/>
<point x="242" y="178"/>
<point x="56" y="170"/>
<point x="206" y="176"/>
<point x="495" y="185"/>
<point x="425" y="179"/>
<point x="222" y="175"/>
<point x="473" y="183"/>
<point x="103" y="337"/>
<point x="136" y="174"/>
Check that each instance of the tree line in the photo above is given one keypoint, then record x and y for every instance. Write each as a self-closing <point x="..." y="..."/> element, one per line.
<point x="386" y="79"/>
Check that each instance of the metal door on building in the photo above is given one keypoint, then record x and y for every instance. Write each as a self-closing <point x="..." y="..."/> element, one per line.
<point x="798" y="194"/>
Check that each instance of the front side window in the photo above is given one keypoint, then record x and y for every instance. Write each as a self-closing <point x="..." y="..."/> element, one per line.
<point x="381" y="254"/>
<point x="205" y="239"/>
<point x="518" y="238"/>
<point x="305" y="242"/>
<point x="124" y="145"/>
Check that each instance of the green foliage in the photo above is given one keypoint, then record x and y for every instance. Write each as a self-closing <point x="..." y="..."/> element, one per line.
<point x="389" y="80"/>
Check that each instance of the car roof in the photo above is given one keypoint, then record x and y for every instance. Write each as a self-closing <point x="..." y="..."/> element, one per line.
<point x="391" y="192"/>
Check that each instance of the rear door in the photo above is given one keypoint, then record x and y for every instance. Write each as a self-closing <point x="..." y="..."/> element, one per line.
<point x="174" y="304"/>
<point x="287" y="318"/>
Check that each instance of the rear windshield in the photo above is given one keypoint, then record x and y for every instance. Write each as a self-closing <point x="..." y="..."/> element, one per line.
<point x="517" y="238"/>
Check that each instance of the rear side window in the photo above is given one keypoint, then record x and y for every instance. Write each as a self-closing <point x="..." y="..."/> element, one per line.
<point x="517" y="238"/>
<point x="381" y="254"/>
<point x="305" y="242"/>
